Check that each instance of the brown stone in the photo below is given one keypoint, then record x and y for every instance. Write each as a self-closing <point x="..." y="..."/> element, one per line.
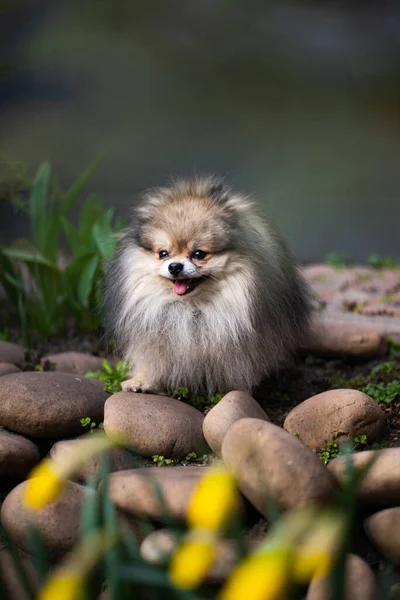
<point x="360" y="582"/>
<point x="155" y="424"/>
<point x="383" y="529"/>
<point x="380" y="486"/>
<point x="231" y="408"/>
<point x="134" y="491"/>
<point x="17" y="455"/>
<point x="78" y="363"/>
<point x="120" y="459"/>
<point x="49" y="404"/>
<point x="270" y="463"/>
<point x="341" y="338"/>
<point x="7" y="368"/>
<point x="58" y="523"/>
<point x="337" y="415"/>
<point x="11" y="353"/>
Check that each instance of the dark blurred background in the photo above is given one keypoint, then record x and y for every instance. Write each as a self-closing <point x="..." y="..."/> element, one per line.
<point x="295" y="102"/>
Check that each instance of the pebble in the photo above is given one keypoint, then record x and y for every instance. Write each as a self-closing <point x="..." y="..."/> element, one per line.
<point x="155" y="424"/>
<point x="11" y="353"/>
<point x="270" y="463"/>
<point x="134" y="491"/>
<point x="7" y="368"/>
<point x="231" y="408"/>
<point x="383" y="529"/>
<point x="78" y="363"/>
<point x="336" y="415"/>
<point x="58" y="523"/>
<point x="360" y="582"/>
<point x="120" y="459"/>
<point x="49" y="404"/>
<point x="380" y="487"/>
<point x="340" y="338"/>
<point x="17" y="455"/>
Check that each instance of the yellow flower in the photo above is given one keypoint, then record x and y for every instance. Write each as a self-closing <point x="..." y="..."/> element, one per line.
<point x="192" y="560"/>
<point x="214" y="501"/>
<point x="49" y="478"/>
<point x="317" y="552"/>
<point x="67" y="581"/>
<point x="65" y="586"/>
<point x="44" y="485"/>
<point x="262" y="576"/>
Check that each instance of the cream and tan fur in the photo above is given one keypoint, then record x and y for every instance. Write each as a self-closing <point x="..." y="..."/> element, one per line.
<point x="248" y="313"/>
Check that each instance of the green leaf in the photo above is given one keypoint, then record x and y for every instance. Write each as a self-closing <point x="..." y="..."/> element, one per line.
<point x="37" y="205"/>
<point x="27" y="257"/>
<point x="73" y="236"/>
<point x="104" y="236"/>
<point x="87" y="278"/>
<point x="91" y="212"/>
<point x="77" y="187"/>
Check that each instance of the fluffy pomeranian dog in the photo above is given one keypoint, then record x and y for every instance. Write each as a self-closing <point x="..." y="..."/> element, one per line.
<point x="203" y="292"/>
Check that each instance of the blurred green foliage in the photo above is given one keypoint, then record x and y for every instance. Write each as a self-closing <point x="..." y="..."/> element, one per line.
<point x="49" y="288"/>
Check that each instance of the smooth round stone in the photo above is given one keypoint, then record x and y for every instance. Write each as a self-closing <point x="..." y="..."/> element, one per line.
<point x="11" y="578"/>
<point x="7" y="368"/>
<point x="383" y="529"/>
<point x="341" y="338"/>
<point x="134" y="492"/>
<point x="337" y="415"/>
<point x="155" y="424"/>
<point x="11" y="353"/>
<point x="360" y="582"/>
<point x="78" y="363"/>
<point x="231" y="408"/>
<point x="120" y="459"/>
<point x="17" y="455"/>
<point x="380" y="486"/>
<point x="159" y="545"/>
<point x="58" y="523"/>
<point x="49" y="404"/>
<point x="270" y="463"/>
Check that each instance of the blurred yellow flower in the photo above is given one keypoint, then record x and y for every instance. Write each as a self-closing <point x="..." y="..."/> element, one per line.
<point x="262" y="576"/>
<point x="192" y="560"/>
<point x="317" y="552"/>
<point x="66" y="586"/>
<point x="67" y="581"/>
<point x="43" y="486"/>
<point x="214" y="501"/>
<point x="49" y="478"/>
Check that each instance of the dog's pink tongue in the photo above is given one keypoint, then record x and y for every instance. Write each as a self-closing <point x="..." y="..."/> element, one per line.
<point x="181" y="286"/>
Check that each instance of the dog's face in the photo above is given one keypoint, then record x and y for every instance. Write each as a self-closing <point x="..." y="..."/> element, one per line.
<point x="187" y="239"/>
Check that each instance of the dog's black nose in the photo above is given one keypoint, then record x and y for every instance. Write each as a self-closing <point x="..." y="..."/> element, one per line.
<point x="175" y="268"/>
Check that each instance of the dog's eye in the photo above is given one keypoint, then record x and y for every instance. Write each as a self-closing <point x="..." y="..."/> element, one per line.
<point x="199" y="254"/>
<point x="163" y="254"/>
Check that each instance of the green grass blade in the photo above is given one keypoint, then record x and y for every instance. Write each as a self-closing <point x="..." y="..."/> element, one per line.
<point x="87" y="278"/>
<point x="90" y="508"/>
<point x="111" y="558"/>
<point x="77" y="187"/>
<point x="37" y="205"/>
<point x="38" y="552"/>
<point x="73" y="236"/>
<point x="27" y="257"/>
<point x="91" y="212"/>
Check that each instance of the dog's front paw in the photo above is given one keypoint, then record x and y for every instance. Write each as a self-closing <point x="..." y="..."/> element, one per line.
<point x="137" y="384"/>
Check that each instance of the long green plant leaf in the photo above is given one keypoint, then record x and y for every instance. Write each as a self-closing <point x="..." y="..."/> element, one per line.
<point x="37" y="206"/>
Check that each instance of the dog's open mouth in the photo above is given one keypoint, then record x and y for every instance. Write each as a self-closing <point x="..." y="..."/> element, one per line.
<point x="185" y="286"/>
